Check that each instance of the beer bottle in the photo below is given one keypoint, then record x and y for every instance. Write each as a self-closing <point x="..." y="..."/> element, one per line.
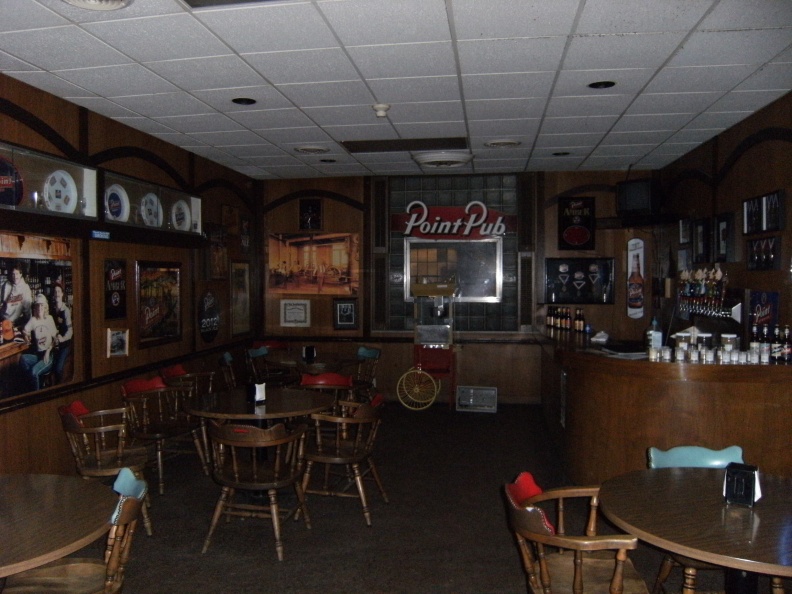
<point x="787" y="346"/>
<point x="777" y="347"/>
<point x="635" y="285"/>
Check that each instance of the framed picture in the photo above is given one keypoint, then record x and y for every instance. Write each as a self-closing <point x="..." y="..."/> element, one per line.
<point x="311" y="214"/>
<point x="684" y="231"/>
<point x="701" y="241"/>
<point x="159" y="302"/>
<point x="724" y="237"/>
<point x="579" y="280"/>
<point x="683" y="259"/>
<point x="229" y="217"/>
<point x="117" y="343"/>
<point x="240" y="298"/>
<point x="295" y="313"/>
<point x="345" y="314"/>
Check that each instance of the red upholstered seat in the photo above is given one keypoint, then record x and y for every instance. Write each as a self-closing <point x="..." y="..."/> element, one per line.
<point x="326" y="379"/>
<point x="143" y="385"/>
<point x="174" y="371"/>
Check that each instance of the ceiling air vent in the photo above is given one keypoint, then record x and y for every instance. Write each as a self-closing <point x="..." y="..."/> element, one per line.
<point x="312" y="150"/>
<point x="503" y="143"/>
<point x="442" y="159"/>
<point x="99" y="4"/>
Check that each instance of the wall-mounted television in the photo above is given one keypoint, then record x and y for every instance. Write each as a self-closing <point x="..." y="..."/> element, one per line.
<point x="636" y="198"/>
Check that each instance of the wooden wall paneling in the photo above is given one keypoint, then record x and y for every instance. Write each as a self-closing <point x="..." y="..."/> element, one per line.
<point x="485" y="364"/>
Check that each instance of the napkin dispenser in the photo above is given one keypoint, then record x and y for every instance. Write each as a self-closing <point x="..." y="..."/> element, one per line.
<point x="257" y="393"/>
<point x="741" y="484"/>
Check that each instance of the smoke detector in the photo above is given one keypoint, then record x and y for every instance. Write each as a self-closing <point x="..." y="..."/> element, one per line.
<point x="99" y="4"/>
<point x="381" y="109"/>
<point x="442" y="159"/>
<point x="311" y="150"/>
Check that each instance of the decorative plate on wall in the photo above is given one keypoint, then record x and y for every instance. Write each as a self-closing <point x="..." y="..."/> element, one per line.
<point x="11" y="189"/>
<point x="180" y="216"/>
<point x="151" y="210"/>
<point x="116" y="204"/>
<point x="60" y="192"/>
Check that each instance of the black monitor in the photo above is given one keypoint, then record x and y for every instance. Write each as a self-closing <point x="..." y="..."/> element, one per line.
<point x="636" y="198"/>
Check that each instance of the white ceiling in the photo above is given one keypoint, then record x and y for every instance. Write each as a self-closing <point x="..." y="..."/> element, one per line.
<point x="685" y="70"/>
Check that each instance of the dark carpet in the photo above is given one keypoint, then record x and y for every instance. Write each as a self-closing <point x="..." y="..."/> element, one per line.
<point x="444" y="530"/>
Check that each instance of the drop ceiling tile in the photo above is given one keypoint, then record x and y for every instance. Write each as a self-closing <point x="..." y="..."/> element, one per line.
<point x="50" y="83"/>
<point x="424" y="88"/>
<point x="207" y="73"/>
<point x="306" y="66"/>
<point x="305" y="135"/>
<point x="504" y="109"/>
<point x="437" y="111"/>
<point x="504" y="128"/>
<point x="647" y="122"/>
<point x="169" y="37"/>
<point x="177" y="138"/>
<point x="748" y="14"/>
<point x="345" y="115"/>
<point x="508" y="86"/>
<point x="578" y="125"/>
<point x="138" y="8"/>
<point x="598" y="52"/>
<point x="214" y="154"/>
<point x="707" y="48"/>
<point x="272" y="118"/>
<point x="623" y="138"/>
<point x="102" y="106"/>
<point x="9" y="63"/>
<point x="146" y="125"/>
<point x="575" y="82"/>
<point x="510" y="55"/>
<point x="229" y="138"/>
<point x="503" y="18"/>
<point x="718" y="119"/>
<point x="409" y="59"/>
<point x="327" y="94"/>
<point x="554" y="164"/>
<point x="249" y="151"/>
<point x="605" y="163"/>
<point x="692" y="137"/>
<point x="253" y="171"/>
<point x="640" y="16"/>
<point x="628" y="150"/>
<point x="699" y="78"/>
<point x="777" y="75"/>
<point x="269" y="27"/>
<point x="266" y="97"/>
<point x="588" y="105"/>
<point x="369" y="22"/>
<point x="654" y="103"/>
<point x="523" y="149"/>
<point x="334" y="169"/>
<point x="27" y="14"/>
<point x="207" y="122"/>
<point x="575" y="152"/>
<point x="566" y="141"/>
<point x="116" y="81"/>
<point x="164" y="104"/>
<point x="745" y="100"/>
<point x="379" y="158"/>
<point x="431" y="130"/>
<point x="75" y="48"/>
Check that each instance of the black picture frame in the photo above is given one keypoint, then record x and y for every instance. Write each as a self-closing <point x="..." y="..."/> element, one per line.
<point x="311" y="214"/>
<point x="724" y="237"/>
<point x="345" y="314"/>
<point x="579" y="280"/>
<point x="701" y="241"/>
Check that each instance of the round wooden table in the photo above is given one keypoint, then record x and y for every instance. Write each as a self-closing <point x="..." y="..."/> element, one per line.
<point x="281" y="403"/>
<point x="44" y="517"/>
<point x="326" y="363"/>
<point x="682" y="510"/>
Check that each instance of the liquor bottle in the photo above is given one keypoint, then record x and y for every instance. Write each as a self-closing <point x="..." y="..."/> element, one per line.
<point x="787" y="346"/>
<point x="568" y="319"/>
<point x="777" y="347"/>
<point x="654" y="336"/>
<point x="635" y="285"/>
<point x="549" y="317"/>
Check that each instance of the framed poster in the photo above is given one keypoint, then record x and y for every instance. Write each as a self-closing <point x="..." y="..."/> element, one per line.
<point x="117" y="343"/>
<point x="218" y="252"/>
<point x="159" y="302"/>
<point x="115" y="289"/>
<point x="701" y="241"/>
<point x="579" y="280"/>
<point x="345" y="314"/>
<point x="240" y="298"/>
<point x="208" y="317"/>
<point x="724" y="237"/>
<point x="576" y="223"/>
<point x="295" y="313"/>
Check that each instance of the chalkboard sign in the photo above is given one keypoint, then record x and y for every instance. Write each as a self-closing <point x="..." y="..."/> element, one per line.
<point x="579" y="280"/>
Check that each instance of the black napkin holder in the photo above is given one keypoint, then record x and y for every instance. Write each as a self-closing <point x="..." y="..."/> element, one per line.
<point x="740" y="484"/>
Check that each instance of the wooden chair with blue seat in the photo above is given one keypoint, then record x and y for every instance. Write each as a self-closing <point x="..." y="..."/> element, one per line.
<point x="364" y="380"/>
<point x="688" y="456"/>
<point x="227" y="367"/>
<point x="598" y="563"/>
<point x="77" y="575"/>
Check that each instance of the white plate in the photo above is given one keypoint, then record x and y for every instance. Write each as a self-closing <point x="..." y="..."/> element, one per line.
<point x="116" y="204"/>
<point x="60" y="192"/>
<point x="180" y="216"/>
<point x="151" y="210"/>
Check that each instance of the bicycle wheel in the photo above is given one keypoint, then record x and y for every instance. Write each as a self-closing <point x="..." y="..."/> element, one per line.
<point x="417" y="389"/>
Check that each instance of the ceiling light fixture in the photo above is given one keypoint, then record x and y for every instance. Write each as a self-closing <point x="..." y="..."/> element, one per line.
<point x="602" y="84"/>
<point x="243" y="101"/>
<point x="562" y="154"/>
<point x="99" y="4"/>
<point x="381" y="109"/>
<point x="311" y="150"/>
<point x="502" y="143"/>
<point x="442" y="159"/>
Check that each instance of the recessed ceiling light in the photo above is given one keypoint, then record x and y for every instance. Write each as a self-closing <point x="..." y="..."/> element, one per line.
<point x="244" y="101"/>
<point x="311" y="150"/>
<point x="502" y="143"/>
<point x="99" y="4"/>
<point x="442" y="159"/>
<point x="602" y="84"/>
<point x="562" y="154"/>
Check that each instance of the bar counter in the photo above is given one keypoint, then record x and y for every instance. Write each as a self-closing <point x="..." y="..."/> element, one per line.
<point x="605" y="411"/>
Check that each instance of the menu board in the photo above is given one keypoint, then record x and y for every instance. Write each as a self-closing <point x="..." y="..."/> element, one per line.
<point x="579" y="280"/>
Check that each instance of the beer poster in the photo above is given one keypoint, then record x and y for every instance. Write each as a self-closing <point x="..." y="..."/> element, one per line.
<point x="115" y="289"/>
<point x="576" y="223"/>
<point x="159" y="302"/>
<point x="635" y="278"/>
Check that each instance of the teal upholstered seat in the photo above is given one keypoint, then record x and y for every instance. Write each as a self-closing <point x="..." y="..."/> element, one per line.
<point x="693" y="456"/>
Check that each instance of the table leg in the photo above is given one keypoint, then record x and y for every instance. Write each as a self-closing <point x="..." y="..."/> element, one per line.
<point x="741" y="582"/>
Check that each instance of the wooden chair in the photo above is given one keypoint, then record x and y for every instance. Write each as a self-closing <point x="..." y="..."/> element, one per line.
<point x="227" y="367"/>
<point x="363" y="383"/>
<point x="157" y="414"/>
<point x="348" y="408"/>
<point x="695" y="457"/>
<point x="200" y="382"/>
<point x="73" y="575"/>
<point x="100" y="444"/>
<point x="261" y="371"/>
<point x="558" y="570"/>
<point x="336" y="384"/>
<point x="252" y="459"/>
<point x="348" y="443"/>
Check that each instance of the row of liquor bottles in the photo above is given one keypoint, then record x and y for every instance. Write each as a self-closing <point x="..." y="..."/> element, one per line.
<point x="563" y="319"/>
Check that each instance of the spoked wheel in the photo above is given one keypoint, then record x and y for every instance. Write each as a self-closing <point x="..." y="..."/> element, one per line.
<point x="417" y="389"/>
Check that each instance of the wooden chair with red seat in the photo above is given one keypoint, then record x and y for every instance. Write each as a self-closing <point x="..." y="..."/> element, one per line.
<point x="101" y="445"/>
<point x="345" y="442"/>
<point x="340" y="386"/>
<point x="200" y="382"/>
<point x="558" y="571"/>
<point x="74" y="575"/>
<point x="157" y="414"/>
<point x="253" y="459"/>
